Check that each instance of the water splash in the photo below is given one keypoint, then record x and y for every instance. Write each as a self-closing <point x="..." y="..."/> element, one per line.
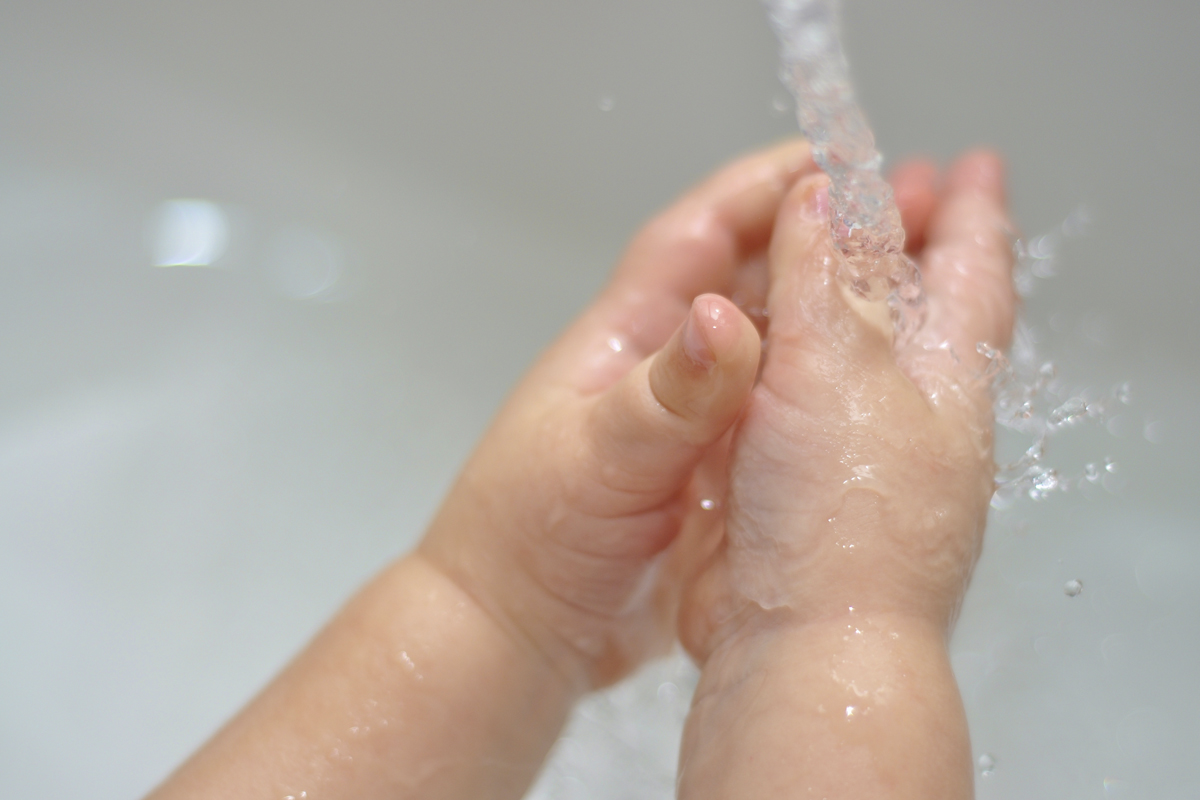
<point x="865" y="221"/>
<point x="1031" y="399"/>
<point x="639" y="721"/>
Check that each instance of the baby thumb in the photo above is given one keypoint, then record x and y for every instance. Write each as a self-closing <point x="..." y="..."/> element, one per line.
<point x="649" y="430"/>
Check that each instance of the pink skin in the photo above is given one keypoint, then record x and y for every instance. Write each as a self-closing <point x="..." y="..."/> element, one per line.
<point x="858" y="484"/>
<point x="915" y="189"/>
<point x="562" y="522"/>
<point x="550" y="567"/>
<point x="623" y="444"/>
<point x="574" y="545"/>
<point x="833" y="392"/>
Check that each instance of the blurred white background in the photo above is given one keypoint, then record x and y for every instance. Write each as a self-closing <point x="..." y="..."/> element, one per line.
<point x="380" y="212"/>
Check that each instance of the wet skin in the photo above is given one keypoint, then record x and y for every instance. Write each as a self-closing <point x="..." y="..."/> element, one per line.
<point x="575" y="545"/>
<point x="858" y="483"/>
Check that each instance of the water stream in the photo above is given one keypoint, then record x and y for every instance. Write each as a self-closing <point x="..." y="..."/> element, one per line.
<point x="1030" y="400"/>
<point x="866" y="222"/>
<point x="627" y="738"/>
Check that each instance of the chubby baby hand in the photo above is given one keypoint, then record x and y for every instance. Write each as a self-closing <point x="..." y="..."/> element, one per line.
<point x="560" y="520"/>
<point x="860" y="474"/>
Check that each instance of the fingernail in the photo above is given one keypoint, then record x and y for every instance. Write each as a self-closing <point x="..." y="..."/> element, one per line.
<point x="816" y="205"/>
<point x="695" y="346"/>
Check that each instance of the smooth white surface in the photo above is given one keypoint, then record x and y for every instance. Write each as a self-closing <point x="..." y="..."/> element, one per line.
<point x="198" y="464"/>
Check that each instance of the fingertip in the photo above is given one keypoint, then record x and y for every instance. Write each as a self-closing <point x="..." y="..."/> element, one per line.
<point x="712" y="369"/>
<point x="981" y="170"/>
<point x="803" y="221"/>
<point x="914" y="176"/>
<point x="792" y="156"/>
<point x="718" y="334"/>
<point x="967" y="263"/>
<point x="811" y="198"/>
<point x="972" y="209"/>
<point x="652" y="427"/>
<point x="804" y="210"/>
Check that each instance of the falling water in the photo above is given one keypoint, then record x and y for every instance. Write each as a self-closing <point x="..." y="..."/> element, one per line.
<point x="866" y="223"/>
<point x="1031" y="401"/>
<point x="1029" y="397"/>
<point x="626" y="738"/>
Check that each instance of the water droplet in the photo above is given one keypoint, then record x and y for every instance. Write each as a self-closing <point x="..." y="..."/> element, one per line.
<point x="1025" y="282"/>
<point x="1110" y="465"/>
<point x="1117" y="788"/>
<point x="668" y="693"/>
<point x="606" y="103"/>
<point x="987" y="765"/>
<point x="1068" y="412"/>
<point x="850" y="711"/>
<point x="189" y="233"/>
<point x="615" y="345"/>
<point x="1096" y="327"/>
<point x="1077" y="222"/>
<point x="1091" y="472"/>
<point x="1043" y="483"/>
<point x="1004" y="497"/>
<point x="1073" y="587"/>
<point x="305" y="265"/>
<point x="1043" y="246"/>
<point x="708" y="504"/>
<point x="1120" y="426"/>
<point x="1124" y="393"/>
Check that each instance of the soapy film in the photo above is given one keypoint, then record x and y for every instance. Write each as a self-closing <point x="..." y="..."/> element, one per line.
<point x="866" y="223"/>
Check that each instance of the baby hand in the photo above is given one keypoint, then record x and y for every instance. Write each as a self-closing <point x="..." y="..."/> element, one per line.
<point x="860" y="475"/>
<point x="858" y="488"/>
<point x="560" y="519"/>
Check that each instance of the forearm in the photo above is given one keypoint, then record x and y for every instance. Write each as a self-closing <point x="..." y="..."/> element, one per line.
<point x="861" y="707"/>
<point x="411" y="691"/>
